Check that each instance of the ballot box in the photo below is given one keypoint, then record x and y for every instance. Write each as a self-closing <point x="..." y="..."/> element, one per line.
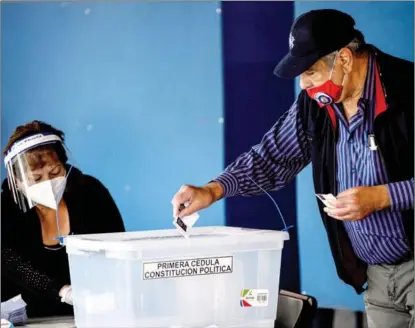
<point x="219" y="277"/>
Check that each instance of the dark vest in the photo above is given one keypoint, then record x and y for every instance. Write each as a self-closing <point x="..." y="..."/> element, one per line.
<point x="394" y="135"/>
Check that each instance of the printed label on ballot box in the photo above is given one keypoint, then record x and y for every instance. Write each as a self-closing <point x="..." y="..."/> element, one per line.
<point x="187" y="267"/>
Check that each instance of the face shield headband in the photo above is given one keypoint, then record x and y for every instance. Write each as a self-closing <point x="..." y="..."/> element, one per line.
<point x="37" y="172"/>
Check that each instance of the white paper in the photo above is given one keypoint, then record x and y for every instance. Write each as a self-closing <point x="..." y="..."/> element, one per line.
<point x="327" y="199"/>
<point x="185" y="224"/>
<point x="14" y="310"/>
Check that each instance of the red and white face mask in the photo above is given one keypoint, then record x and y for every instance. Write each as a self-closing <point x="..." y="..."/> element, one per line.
<point x="328" y="92"/>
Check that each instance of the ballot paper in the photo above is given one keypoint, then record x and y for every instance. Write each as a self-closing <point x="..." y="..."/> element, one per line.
<point x="14" y="310"/>
<point x="327" y="199"/>
<point x="185" y="224"/>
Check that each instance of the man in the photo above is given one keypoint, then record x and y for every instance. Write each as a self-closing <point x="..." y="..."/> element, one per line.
<point x="354" y="121"/>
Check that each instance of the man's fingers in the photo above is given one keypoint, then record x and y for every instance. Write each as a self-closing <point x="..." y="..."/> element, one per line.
<point x="347" y="192"/>
<point x="182" y="196"/>
<point x="345" y="198"/>
<point x="337" y="214"/>
<point x="344" y="201"/>
<point x="177" y="208"/>
<point x="188" y="210"/>
<point x="337" y="211"/>
<point x="347" y="217"/>
<point x="350" y="213"/>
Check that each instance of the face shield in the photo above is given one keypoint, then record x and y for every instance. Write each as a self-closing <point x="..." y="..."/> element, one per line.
<point x="37" y="170"/>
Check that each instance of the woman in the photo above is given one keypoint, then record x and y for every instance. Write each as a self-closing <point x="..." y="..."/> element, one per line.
<point x="44" y="199"/>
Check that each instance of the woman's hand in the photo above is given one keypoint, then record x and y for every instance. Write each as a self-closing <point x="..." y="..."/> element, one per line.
<point x="66" y="294"/>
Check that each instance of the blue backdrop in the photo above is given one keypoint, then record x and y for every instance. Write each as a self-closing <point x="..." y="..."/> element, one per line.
<point x="136" y="86"/>
<point x="140" y="90"/>
<point x="254" y="39"/>
<point x="389" y="26"/>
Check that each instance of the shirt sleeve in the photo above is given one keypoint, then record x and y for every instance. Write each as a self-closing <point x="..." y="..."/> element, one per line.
<point x="270" y="165"/>
<point x="25" y="274"/>
<point x="401" y="195"/>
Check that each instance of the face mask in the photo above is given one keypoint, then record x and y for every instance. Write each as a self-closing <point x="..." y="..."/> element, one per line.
<point x="328" y="92"/>
<point x="48" y="193"/>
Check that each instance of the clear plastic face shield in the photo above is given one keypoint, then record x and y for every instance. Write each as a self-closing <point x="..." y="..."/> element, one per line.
<point x="37" y="171"/>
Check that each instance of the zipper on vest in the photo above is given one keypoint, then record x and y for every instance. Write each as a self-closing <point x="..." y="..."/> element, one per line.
<point x="335" y="183"/>
<point x="387" y="106"/>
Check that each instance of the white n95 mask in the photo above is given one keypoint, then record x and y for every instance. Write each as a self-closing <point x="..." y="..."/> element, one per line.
<point x="39" y="157"/>
<point x="34" y="158"/>
<point x="47" y="193"/>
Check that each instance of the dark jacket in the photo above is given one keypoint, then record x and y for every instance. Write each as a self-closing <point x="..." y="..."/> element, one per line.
<point x="38" y="274"/>
<point x="394" y="134"/>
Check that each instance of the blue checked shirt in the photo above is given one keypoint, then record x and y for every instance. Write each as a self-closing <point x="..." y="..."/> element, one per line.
<point x="377" y="239"/>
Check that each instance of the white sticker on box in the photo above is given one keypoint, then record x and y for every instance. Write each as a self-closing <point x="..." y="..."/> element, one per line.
<point x="254" y="297"/>
<point x="187" y="267"/>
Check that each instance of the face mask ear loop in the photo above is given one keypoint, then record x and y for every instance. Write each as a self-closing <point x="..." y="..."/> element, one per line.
<point x="69" y="171"/>
<point x="332" y="67"/>
<point x="60" y="237"/>
<point x="344" y="77"/>
<point x="25" y="184"/>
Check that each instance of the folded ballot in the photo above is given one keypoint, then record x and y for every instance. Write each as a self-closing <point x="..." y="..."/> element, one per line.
<point x="328" y="200"/>
<point x="185" y="224"/>
<point x="14" y="310"/>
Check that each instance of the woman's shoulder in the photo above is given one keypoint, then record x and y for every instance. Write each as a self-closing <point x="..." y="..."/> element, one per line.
<point x="79" y="180"/>
<point x="14" y="222"/>
<point x="7" y="201"/>
<point x="4" y="186"/>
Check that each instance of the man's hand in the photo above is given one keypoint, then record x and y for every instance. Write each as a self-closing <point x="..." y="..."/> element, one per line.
<point x="197" y="197"/>
<point x="357" y="203"/>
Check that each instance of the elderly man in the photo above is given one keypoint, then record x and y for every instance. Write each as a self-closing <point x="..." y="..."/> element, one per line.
<point x="354" y="120"/>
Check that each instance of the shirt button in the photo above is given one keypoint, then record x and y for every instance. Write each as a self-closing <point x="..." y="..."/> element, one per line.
<point x="353" y="170"/>
<point x="350" y="140"/>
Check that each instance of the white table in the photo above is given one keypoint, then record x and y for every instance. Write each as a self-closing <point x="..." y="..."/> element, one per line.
<point x="51" y="322"/>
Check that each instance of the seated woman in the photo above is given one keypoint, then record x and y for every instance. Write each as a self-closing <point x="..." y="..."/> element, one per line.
<point x="45" y="199"/>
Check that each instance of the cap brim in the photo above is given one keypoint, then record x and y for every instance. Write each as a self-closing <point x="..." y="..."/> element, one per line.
<point x="290" y="66"/>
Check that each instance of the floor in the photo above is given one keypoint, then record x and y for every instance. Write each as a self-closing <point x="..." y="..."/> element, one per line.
<point x="340" y="319"/>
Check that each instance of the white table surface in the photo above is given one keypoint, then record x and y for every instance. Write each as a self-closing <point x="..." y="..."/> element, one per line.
<point x="51" y="322"/>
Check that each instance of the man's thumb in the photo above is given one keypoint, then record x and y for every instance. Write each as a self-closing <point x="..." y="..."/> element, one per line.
<point x="188" y="210"/>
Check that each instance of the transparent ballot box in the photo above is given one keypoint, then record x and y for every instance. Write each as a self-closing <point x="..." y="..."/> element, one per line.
<point x="219" y="277"/>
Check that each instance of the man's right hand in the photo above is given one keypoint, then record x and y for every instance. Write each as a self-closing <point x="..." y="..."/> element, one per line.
<point x="197" y="197"/>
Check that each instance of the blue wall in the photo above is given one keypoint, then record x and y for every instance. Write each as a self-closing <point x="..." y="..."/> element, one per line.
<point x="136" y="86"/>
<point x="253" y="42"/>
<point x="138" y="89"/>
<point x="389" y="26"/>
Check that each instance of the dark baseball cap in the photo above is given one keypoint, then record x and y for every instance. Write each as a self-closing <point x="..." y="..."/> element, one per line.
<point x="314" y="35"/>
